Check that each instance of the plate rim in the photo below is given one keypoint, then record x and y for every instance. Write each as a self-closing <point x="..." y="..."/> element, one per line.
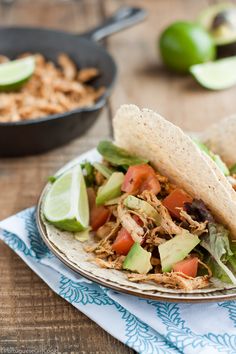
<point x="171" y="297"/>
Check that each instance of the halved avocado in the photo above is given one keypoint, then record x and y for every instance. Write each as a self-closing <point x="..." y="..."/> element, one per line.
<point x="220" y="21"/>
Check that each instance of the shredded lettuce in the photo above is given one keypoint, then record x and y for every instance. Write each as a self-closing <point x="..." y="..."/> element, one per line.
<point x="233" y="169"/>
<point x="216" y="242"/>
<point x="216" y="158"/>
<point x="232" y="259"/>
<point x="117" y="156"/>
<point x="88" y="172"/>
<point x="217" y="271"/>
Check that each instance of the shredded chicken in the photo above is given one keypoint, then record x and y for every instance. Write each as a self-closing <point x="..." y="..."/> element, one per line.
<point x="103" y="248"/>
<point x="153" y="239"/>
<point x="100" y="179"/>
<point x="205" y="266"/>
<point x="3" y="59"/>
<point x="162" y="179"/>
<point x="167" y="224"/>
<point x="197" y="228"/>
<point x="173" y="280"/>
<point x="68" y="66"/>
<point x="105" y="229"/>
<point x="166" y="186"/>
<point x="87" y="74"/>
<point x="52" y="89"/>
<point x="116" y="264"/>
<point x="136" y="231"/>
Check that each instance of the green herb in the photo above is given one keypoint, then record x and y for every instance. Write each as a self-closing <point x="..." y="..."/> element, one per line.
<point x="233" y="169"/>
<point x="52" y="179"/>
<point x="217" y="271"/>
<point x="88" y="171"/>
<point x="232" y="259"/>
<point x="216" y="242"/>
<point x="117" y="156"/>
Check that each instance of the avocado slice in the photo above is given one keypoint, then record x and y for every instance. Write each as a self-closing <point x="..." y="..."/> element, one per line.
<point x="176" y="249"/>
<point x="216" y="158"/>
<point x="111" y="189"/>
<point x="104" y="170"/>
<point x="143" y="207"/>
<point x="220" y="21"/>
<point x="138" y="260"/>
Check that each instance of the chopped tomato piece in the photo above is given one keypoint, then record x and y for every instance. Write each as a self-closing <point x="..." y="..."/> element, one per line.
<point x="187" y="266"/>
<point x="139" y="178"/>
<point x="151" y="184"/>
<point x="98" y="214"/>
<point x="123" y="242"/>
<point x="176" y="199"/>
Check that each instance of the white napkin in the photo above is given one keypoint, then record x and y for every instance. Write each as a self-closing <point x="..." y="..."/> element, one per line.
<point x="149" y="327"/>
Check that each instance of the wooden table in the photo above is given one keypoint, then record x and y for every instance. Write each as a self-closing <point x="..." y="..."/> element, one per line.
<point x="32" y="318"/>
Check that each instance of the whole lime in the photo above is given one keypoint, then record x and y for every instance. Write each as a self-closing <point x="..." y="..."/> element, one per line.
<point x="183" y="44"/>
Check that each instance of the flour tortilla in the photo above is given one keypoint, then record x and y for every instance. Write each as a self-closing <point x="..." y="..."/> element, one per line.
<point x="221" y="177"/>
<point x="175" y="155"/>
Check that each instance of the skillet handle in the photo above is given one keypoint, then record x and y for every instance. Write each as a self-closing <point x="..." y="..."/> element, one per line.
<point x="125" y="17"/>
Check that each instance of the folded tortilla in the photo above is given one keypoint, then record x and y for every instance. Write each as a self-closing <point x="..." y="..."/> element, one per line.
<point x="173" y="153"/>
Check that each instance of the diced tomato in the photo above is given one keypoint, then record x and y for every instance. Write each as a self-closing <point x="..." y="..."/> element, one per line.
<point x="123" y="242"/>
<point x="151" y="184"/>
<point x="98" y="214"/>
<point x="139" y="178"/>
<point x="138" y="220"/>
<point x="187" y="266"/>
<point x="176" y="199"/>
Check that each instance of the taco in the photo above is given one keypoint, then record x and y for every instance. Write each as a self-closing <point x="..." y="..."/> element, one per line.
<point x="161" y="215"/>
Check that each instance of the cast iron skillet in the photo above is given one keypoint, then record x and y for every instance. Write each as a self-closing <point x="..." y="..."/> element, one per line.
<point x="39" y="135"/>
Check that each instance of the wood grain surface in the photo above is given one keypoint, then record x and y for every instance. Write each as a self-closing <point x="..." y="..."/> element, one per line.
<point x="32" y="318"/>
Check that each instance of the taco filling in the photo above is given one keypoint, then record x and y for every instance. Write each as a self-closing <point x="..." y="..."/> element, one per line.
<point x="151" y="229"/>
<point x="165" y="217"/>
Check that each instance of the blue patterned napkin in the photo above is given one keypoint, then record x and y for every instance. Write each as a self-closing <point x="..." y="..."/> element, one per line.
<point x="149" y="327"/>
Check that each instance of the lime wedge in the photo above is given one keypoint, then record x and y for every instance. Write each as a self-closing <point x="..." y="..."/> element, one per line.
<point x="217" y="75"/>
<point x="66" y="203"/>
<point x="15" y="73"/>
